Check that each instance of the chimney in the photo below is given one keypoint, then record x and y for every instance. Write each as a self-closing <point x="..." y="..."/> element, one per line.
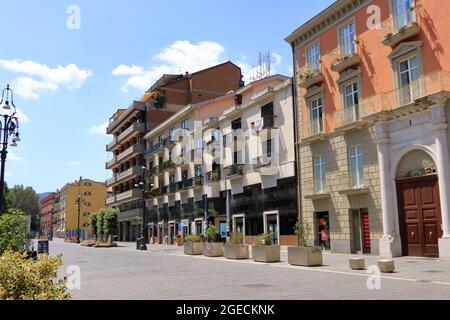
<point x="238" y="99"/>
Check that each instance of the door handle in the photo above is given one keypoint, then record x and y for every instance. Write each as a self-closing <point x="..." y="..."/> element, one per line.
<point x="431" y="234"/>
<point x="412" y="234"/>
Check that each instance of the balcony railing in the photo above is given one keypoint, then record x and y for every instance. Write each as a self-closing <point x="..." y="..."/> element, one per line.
<point x="400" y="27"/>
<point x="234" y="170"/>
<point x="348" y="118"/>
<point x="135" y="127"/>
<point x="111" y="163"/>
<point x="198" y="181"/>
<point x="413" y="93"/>
<point x="129" y="195"/>
<point x="131" y="172"/>
<point x="262" y="161"/>
<point x="156" y="192"/>
<point x="310" y="75"/>
<point x="111" y="181"/>
<point x="314" y="130"/>
<point x="352" y="184"/>
<point x="153" y="149"/>
<point x="345" y="57"/>
<point x="112" y="144"/>
<point x="316" y="189"/>
<point x="186" y="184"/>
<point x="134" y="149"/>
<point x="110" y="200"/>
<point x="212" y="176"/>
<point x="168" y="165"/>
<point x="168" y="142"/>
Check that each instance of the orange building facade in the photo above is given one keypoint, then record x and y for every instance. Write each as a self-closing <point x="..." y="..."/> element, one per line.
<point x="46" y="224"/>
<point x="372" y="82"/>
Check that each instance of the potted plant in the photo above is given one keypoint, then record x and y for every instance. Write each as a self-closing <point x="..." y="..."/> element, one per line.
<point x="304" y="255"/>
<point x="214" y="247"/>
<point x="264" y="250"/>
<point x="193" y="245"/>
<point x="235" y="248"/>
<point x="179" y="240"/>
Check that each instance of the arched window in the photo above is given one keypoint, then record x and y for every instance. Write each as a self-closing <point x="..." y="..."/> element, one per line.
<point x="87" y="193"/>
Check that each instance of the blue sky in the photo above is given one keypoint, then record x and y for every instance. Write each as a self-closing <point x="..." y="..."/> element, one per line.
<point x="68" y="82"/>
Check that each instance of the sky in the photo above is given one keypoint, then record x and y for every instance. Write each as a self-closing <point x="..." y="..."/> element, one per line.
<point x="71" y="64"/>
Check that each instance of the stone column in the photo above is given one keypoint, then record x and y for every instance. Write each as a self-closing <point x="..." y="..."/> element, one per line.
<point x="390" y="243"/>
<point x="440" y="128"/>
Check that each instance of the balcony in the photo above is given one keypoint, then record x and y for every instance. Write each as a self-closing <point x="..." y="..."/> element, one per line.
<point x="136" y="106"/>
<point x="262" y="161"/>
<point x="156" y="192"/>
<point x="198" y="181"/>
<point x="130" y="173"/>
<point x="110" y="200"/>
<point x="168" y="142"/>
<point x="399" y="28"/>
<point x="261" y="93"/>
<point x="314" y="131"/>
<point x="414" y="95"/>
<point x="234" y="171"/>
<point x="132" y="194"/>
<point x="186" y="184"/>
<point x="351" y="185"/>
<point x="316" y="189"/>
<point x="134" y="128"/>
<point x="112" y="144"/>
<point x="153" y="149"/>
<point x="213" y="176"/>
<point x="155" y="170"/>
<point x="172" y="188"/>
<point x="167" y="165"/>
<point x="131" y="151"/>
<point x="110" y="181"/>
<point x="111" y="163"/>
<point x="309" y="76"/>
<point x="344" y="59"/>
<point x="348" y="119"/>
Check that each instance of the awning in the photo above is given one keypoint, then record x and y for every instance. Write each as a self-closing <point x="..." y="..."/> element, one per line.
<point x="146" y="97"/>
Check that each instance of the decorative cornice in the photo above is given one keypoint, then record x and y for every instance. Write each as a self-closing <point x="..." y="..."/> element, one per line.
<point x="332" y="15"/>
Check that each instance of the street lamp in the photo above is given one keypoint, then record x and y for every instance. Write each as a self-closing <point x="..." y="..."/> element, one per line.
<point x="78" y="202"/>
<point x="9" y="127"/>
<point x="141" y="242"/>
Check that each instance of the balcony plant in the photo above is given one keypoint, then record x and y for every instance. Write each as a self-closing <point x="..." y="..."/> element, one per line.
<point x="214" y="246"/>
<point x="264" y="250"/>
<point x="304" y="255"/>
<point x="235" y="247"/>
<point x="193" y="245"/>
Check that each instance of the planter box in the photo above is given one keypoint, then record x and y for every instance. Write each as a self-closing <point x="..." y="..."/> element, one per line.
<point x="236" y="251"/>
<point x="305" y="256"/>
<point x="266" y="253"/>
<point x="193" y="248"/>
<point x="213" y="249"/>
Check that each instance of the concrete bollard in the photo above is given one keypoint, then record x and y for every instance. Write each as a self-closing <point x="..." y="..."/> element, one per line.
<point x="357" y="263"/>
<point x="386" y="265"/>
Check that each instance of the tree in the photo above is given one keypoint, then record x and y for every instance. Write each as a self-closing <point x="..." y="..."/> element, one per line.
<point x="26" y="200"/>
<point x="13" y="231"/>
<point x="100" y="216"/>
<point x="110" y="222"/>
<point x="26" y="279"/>
<point x="93" y="224"/>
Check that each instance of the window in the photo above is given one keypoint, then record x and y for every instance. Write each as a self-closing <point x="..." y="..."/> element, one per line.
<point x="316" y="116"/>
<point x="87" y="193"/>
<point x="172" y="179"/>
<point x="403" y="13"/>
<point x="171" y="133"/>
<point x="348" y="39"/>
<point x="236" y="124"/>
<point x="86" y="214"/>
<point x="160" y="139"/>
<point x="409" y="74"/>
<point x="313" y="57"/>
<point x="356" y="166"/>
<point x="198" y="170"/>
<point x="267" y="148"/>
<point x="185" y="124"/>
<point x="351" y="98"/>
<point x="319" y="173"/>
<point x="184" y="175"/>
<point x="88" y="184"/>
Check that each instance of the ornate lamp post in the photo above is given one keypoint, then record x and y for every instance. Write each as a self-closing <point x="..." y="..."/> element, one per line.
<point x="78" y="203"/>
<point x="141" y="245"/>
<point x="9" y="127"/>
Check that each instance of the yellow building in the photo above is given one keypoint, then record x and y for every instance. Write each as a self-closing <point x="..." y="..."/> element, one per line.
<point x="92" y="195"/>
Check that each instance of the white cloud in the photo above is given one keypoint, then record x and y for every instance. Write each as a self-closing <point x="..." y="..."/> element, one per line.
<point x="179" y="57"/>
<point x="98" y="129"/>
<point x="42" y="78"/>
<point x="14" y="157"/>
<point x="73" y="164"/>
<point x="124" y="70"/>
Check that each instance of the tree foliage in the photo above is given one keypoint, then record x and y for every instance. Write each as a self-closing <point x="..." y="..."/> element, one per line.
<point x="26" y="279"/>
<point x="26" y="200"/>
<point x="13" y="231"/>
<point x="110" y="221"/>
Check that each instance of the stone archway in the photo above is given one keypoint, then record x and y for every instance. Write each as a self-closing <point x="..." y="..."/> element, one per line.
<point x="418" y="204"/>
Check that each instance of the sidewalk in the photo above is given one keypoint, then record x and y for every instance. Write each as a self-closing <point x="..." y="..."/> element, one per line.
<point x="415" y="269"/>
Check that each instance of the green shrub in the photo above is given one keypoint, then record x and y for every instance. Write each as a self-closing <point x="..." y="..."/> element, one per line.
<point x="236" y="238"/>
<point x="26" y="279"/>
<point x="264" y="239"/>
<point x="13" y="231"/>
<point x="193" y="238"/>
<point x="211" y="233"/>
<point x="303" y="231"/>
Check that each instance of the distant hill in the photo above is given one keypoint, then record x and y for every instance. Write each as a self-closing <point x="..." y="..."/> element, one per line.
<point x="43" y="195"/>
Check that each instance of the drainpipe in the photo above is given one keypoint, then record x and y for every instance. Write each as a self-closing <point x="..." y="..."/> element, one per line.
<point x="228" y="208"/>
<point x="296" y="133"/>
<point x="205" y="214"/>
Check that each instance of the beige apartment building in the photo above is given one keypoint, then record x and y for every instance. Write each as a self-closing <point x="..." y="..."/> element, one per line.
<point x="200" y="173"/>
<point x="373" y="140"/>
<point x="169" y="95"/>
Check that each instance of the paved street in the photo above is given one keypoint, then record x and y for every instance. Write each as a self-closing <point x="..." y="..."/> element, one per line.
<point x="164" y="272"/>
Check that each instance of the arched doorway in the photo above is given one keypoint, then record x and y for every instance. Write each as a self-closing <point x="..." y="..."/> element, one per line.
<point x="418" y="205"/>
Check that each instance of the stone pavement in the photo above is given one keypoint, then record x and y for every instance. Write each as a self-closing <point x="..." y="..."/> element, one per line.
<point x="164" y="272"/>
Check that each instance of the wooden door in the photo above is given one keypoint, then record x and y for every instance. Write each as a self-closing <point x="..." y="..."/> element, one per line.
<point x="420" y="216"/>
